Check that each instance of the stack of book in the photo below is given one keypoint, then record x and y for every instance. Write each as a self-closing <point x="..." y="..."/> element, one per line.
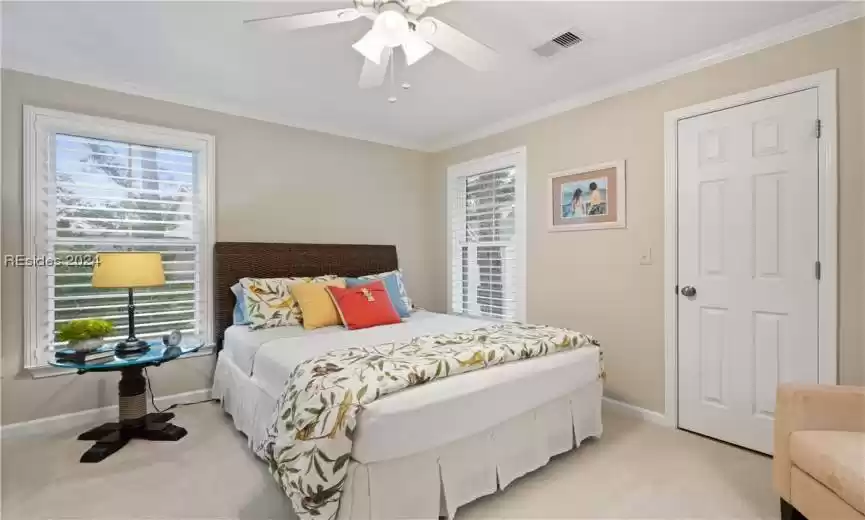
<point x="74" y="356"/>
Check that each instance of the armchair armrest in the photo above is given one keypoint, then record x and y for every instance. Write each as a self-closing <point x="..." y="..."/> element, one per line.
<point x="812" y="407"/>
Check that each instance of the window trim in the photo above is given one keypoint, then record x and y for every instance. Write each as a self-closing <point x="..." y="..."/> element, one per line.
<point x="514" y="158"/>
<point x="39" y="123"/>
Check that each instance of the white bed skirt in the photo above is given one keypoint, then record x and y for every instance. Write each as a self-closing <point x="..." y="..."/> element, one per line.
<point x="435" y="482"/>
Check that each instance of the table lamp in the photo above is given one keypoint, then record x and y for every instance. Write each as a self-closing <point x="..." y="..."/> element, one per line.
<point x="129" y="270"/>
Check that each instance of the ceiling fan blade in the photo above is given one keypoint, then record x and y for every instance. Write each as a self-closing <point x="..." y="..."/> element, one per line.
<point x="373" y="75"/>
<point x="447" y="39"/>
<point x="293" y="22"/>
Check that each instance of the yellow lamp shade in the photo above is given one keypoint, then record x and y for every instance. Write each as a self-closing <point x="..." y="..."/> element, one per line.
<point x="128" y="270"/>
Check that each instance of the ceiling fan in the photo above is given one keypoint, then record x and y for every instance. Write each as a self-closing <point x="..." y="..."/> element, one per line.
<point x="396" y="23"/>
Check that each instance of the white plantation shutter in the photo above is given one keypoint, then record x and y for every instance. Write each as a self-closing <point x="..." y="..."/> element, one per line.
<point x="90" y="193"/>
<point x="486" y="200"/>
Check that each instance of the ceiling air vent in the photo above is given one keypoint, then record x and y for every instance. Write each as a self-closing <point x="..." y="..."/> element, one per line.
<point x="563" y="41"/>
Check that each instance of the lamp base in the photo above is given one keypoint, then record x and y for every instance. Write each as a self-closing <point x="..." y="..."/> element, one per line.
<point x="129" y="347"/>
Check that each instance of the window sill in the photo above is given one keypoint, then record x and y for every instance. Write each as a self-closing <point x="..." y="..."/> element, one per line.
<point x="483" y="318"/>
<point x="43" y="371"/>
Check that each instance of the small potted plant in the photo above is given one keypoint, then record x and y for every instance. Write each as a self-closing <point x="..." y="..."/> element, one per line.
<point x="84" y="335"/>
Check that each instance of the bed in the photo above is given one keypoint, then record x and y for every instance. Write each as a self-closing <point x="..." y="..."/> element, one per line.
<point x="441" y="445"/>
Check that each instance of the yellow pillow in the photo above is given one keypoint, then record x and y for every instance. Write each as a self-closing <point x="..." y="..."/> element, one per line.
<point x="316" y="307"/>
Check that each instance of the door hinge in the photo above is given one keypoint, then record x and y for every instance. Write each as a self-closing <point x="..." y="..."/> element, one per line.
<point x="818" y="270"/>
<point x="819" y="129"/>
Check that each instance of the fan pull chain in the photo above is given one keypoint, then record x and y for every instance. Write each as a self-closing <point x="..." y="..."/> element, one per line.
<point x="392" y="62"/>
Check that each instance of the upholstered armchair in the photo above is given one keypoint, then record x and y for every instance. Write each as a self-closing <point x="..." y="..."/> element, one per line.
<point x="819" y="465"/>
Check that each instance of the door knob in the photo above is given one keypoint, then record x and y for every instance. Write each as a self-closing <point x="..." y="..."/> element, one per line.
<point x="689" y="291"/>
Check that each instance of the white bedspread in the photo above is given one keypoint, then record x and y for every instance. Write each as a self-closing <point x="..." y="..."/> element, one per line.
<point x="277" y="358"/>
<point x="426" y="416"/>
<point x="242" y="344"/>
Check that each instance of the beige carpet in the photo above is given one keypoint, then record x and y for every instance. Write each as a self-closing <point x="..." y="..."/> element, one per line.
<point x="638" y="470"/>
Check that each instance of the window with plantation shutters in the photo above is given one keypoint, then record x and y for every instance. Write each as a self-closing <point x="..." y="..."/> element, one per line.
<point x="486" y="200"/>
<point x="96" y="185"/>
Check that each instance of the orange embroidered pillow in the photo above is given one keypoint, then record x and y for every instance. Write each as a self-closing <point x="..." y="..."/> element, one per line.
<point x="364" y="306"/>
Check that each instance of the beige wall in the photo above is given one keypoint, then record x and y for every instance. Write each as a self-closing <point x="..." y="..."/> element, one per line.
<point x="592" y="280"/>
<point x="340" y="190"/>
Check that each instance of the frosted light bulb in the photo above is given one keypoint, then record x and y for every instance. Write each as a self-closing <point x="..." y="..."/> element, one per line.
<point x="391" y="27"/>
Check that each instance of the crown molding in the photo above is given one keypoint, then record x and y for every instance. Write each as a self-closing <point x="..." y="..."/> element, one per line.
<point x="210" y="105"/>
<point x="769" y="38"/>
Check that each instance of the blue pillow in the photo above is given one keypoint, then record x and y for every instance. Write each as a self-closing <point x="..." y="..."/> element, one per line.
<point x="391" y="284"/>
<point x="240" y="317"/>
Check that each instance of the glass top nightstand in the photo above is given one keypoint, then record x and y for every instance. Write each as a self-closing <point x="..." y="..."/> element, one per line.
<point x="134" y="422"/>
<point x="155" y="356"/>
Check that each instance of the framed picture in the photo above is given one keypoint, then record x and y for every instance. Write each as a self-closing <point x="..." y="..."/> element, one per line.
<point x="587" y="198"/>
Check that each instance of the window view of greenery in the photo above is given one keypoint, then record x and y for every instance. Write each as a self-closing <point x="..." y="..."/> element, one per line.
<point x="488" y="246"/>
<point x="113" y="196"/>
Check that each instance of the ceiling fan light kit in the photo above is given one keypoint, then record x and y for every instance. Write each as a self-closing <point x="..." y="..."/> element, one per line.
<point x="392" y="27"/>
<point x="371" y="47"/>
<point x="414" y="47"/>
<point x="396" y="23"/>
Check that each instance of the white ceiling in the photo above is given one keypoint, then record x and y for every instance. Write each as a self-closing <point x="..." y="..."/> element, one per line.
<point x="199" y="53"/>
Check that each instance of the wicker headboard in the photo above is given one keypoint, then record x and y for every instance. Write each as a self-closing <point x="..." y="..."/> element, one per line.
<point x="235" y="260"/>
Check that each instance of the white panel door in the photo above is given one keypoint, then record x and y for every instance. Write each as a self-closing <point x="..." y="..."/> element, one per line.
<point x="748" y="225"/>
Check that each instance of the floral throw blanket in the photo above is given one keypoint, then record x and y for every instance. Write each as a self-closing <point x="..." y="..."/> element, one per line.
<point x="309" y="444"/>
